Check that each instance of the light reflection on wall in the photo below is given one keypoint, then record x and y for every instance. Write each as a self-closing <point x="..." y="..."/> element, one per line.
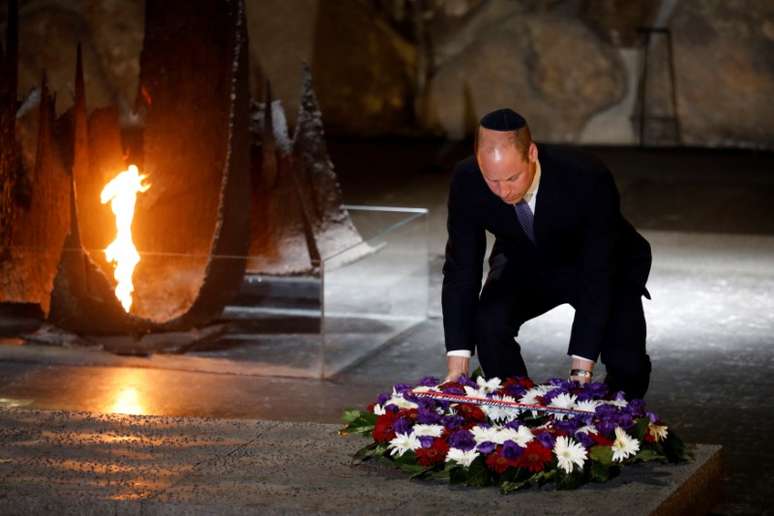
<point x="128" y="397"/>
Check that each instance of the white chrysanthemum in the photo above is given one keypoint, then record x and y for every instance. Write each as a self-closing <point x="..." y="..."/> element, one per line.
<point x="399" y="401"/>
<point x="619" y="401"/>
<point x="463" y="458"/>
<point x="488" y="385"/>
<point x="496" y="413"/>
<point x="569" y="453"/>
<point x="564" y="400"/>
<point x="587" y="405"/>
<point x="659" y="432"/>
<point x="588" y="429"/>
<point x="421" y="430"/>
<point x="520" y="436"/>
<point x="402" y="443"/>
<point x="379" y="410"/>
<point x="476" y="393"/>
<point x="425" y="388"/>
<point x="530" y="397"/>
<point x="624" y="445"/>
<point x="483" y="434"/>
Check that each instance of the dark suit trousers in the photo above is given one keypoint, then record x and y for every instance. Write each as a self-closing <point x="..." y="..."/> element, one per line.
<point x="511" y="297"/>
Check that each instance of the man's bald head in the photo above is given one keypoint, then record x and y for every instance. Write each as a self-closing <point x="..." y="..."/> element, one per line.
<point x="506" y="154"/>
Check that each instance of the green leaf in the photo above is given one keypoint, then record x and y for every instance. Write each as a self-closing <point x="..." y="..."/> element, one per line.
<point x="641" y="428"/>
<point x="543" y="477"/>
<point x="351" y="415"/>
<point x="370" y="451"/>
<point x="475" y="374"/>
<point x="569" y="480"/>
<point x="675" y="449"/>
<point x="600" y="472"/>
<point x="602" y="454"/>
<point x="648" y="454"/>
<point x="478" y="473"/>
<point x="509" y="486"/>
<point x="458" y="475"/>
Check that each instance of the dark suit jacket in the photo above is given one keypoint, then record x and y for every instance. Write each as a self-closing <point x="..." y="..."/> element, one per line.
<point x="578" y="228"/>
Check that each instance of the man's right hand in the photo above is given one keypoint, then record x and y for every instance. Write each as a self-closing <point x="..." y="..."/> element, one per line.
<point x="457" y="367"/>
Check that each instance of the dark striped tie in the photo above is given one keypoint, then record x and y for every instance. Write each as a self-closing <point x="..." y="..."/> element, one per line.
<point x="525" y="218"/>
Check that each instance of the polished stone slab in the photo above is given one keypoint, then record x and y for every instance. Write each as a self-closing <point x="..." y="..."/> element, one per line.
<point x="83" y="463"/>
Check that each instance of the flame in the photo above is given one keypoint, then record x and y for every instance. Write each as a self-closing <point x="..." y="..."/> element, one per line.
<point x="121" y="192"/>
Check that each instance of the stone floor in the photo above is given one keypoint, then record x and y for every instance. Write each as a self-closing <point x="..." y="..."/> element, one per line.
<point x="709" y="216"/>
<point x="83" y="463"/>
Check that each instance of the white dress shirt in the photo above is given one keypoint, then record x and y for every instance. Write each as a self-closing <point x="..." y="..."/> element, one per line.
<point x="530" y="196"/>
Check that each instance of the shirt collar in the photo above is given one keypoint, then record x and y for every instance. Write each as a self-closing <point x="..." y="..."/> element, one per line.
<point x="533" y="188"/>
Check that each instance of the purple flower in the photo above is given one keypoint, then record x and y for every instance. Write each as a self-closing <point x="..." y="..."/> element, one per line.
<point x="454" y="390"/>
<point x="585" y="439"/>
<point x="463" y="440"/>
<point x="382" y="398"/>
<point x="465" y="380"/>
<point x="567" y="426"/>
<point x="486" y="447"/>
<point x="426" y="441"/>
<point x="391" y="408"/>
<point x="546" y="439"/>
<point x="511" y="450"/>
<point x="429" y="381"/>
<point x="652" y="417"/>
<point x="452" y="422"/>
<point x="636" y="408"/>
<point x="514" y="390"/>
<point x="606" y="426"/>
<point x="402" y="426"/>
<point x="625" y="420"/>
<point x="428" y="417"/>
<point x="606" y="411"/>
<point x="402" y="387"/>
<point x="593" y="391"/>
<point x="513" y="423"/>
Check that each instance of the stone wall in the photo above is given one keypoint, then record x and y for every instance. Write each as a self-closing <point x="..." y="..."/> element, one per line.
<point x="433" y="67"/>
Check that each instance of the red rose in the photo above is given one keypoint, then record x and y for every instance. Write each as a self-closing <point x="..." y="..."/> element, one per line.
<point x="534" y="457"/>
<point x="471" y="412"/>
<point x="526" y="382"/>
<point x="451" y="385"/>
<point x="601" y="439"/>
<point x="383" y="431"/>
<point x="432" y="455"/>
<point x="499" y="463"/>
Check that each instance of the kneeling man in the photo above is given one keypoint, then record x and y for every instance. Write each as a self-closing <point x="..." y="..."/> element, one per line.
<point x="560" y="238"/>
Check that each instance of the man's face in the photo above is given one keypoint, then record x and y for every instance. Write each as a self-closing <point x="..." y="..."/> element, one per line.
<point x="507" y="173"/>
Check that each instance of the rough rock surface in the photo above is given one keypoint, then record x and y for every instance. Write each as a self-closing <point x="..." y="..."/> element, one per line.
<point x="75" y="463"/>
<point x="551" y="69"/>
<point x="724" y="60"/>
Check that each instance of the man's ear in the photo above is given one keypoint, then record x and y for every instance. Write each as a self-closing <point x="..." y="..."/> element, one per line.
<point x="533" y="151"/>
